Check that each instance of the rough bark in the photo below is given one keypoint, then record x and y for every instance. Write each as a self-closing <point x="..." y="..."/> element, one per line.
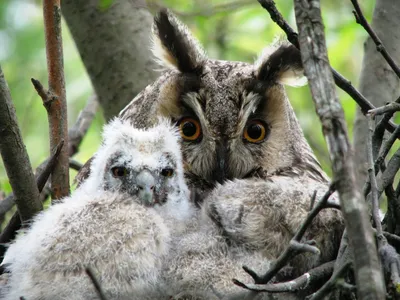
<point x="369" y="278"/>
<point x="56" y="102"/>
<point x="378" y="83"/>
<point x="115" y="48"/>
<point x="15" y="157"/>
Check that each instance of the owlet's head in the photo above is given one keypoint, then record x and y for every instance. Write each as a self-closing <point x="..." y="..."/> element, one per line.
<point x="143" y="163"/>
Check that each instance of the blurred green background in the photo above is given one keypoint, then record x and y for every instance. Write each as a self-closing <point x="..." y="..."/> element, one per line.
<point x="228" y="29"/>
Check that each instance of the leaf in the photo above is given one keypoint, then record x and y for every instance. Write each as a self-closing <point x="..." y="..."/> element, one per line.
<point x="105" y="4"/>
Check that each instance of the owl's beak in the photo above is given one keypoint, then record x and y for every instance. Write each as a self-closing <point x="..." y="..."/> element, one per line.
<point x="145" y="182"/>
<point x="220" y="172"/>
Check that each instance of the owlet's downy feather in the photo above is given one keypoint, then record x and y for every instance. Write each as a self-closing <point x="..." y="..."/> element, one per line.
<point x="116" y="223"/>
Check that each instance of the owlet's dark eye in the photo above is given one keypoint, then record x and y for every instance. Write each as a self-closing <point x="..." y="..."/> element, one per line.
<point x="255" y="131"/>
<point x="189" y="129"/>
<point x="167" y="172"/>
<point x="119" y="171"/>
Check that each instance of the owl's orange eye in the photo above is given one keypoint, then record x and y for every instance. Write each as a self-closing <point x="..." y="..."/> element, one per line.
<point x="255" y="132"/>
<point x="190" y="129"/>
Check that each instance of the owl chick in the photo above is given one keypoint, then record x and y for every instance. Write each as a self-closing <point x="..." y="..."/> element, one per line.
<point x="113" y="224"/>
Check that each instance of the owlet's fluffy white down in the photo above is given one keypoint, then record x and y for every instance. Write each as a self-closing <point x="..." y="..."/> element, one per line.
<point x="116" y="223"/>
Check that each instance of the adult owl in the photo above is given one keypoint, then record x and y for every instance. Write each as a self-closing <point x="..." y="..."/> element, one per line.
<point x="245" y="156"/>
<point x="243" y="148"/>
<point x="116" y="223"/>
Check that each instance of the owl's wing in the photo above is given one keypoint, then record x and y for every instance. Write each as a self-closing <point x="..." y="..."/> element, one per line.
<point x="265" y="214"/>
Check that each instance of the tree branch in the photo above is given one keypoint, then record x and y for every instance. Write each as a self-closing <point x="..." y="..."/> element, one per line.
<point x="372" y="179"/>
<point x="390" y="107"/>
<point x="15" y="223"/>
<point x="340" y="81"/>
<point x="360" y="19"/>
<point x="55" y="102"/>
<point x="369" y="278"/>
<point x="300" y="283"/>
<point x="327" y="287"/>
<point x="15" y="157"/>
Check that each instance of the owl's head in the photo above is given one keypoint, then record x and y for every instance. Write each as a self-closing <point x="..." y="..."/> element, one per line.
<point x="234" y="118"/>
<point x="143" y="163"/>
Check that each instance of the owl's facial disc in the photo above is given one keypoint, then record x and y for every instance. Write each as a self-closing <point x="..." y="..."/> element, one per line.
<point x="151" y="187"/>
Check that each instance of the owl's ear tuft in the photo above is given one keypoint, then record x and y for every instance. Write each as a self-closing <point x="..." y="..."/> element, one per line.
<point x="281" y="63"/>
<point x="175" y="46"/>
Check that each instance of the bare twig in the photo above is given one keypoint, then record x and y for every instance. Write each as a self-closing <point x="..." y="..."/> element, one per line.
<point x="372" y="179"/>
<point x="340" y="81"/>
<point x="390" y="261"/>
<point x="383" y="152"/>
<point x="388" y="254"/>
<point x="300" y="283"/>
<point x="55" y="102"/>
<point x="379" y="132"/>
<point x="389" y="174"/>
<point x="390" y="107"/>
<point x="82" y="124"/>
<point x="327" y="287"/>
<point x="360" y="19"/>
<point x="294" y="247"/>
<point x="315" y="60"/>
<point x="6" y="204"/>
<point x="395" y="278"/>
<point x="14" y="224"/>
<point x="96" y="284"/>
<point x="393" y="212"/>
<point x="15" y="157"/>
<point x="386" y="148"/>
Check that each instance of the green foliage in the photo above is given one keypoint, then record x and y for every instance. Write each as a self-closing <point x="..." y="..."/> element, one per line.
<point x="230" y="32"/>
<point x="104" y="4"/>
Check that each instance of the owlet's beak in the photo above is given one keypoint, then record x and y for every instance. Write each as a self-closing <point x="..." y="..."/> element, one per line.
<point x="145" y="182"/>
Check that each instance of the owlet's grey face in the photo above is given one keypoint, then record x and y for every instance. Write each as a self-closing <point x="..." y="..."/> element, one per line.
<point x="151" y="185"/>
<point x="234" y="118"/>
<point x="146" y="164"/>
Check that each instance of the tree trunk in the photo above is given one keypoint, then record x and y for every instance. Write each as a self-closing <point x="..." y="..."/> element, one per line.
<point x="378" y="83"/>
<point x="115" y="48"/>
